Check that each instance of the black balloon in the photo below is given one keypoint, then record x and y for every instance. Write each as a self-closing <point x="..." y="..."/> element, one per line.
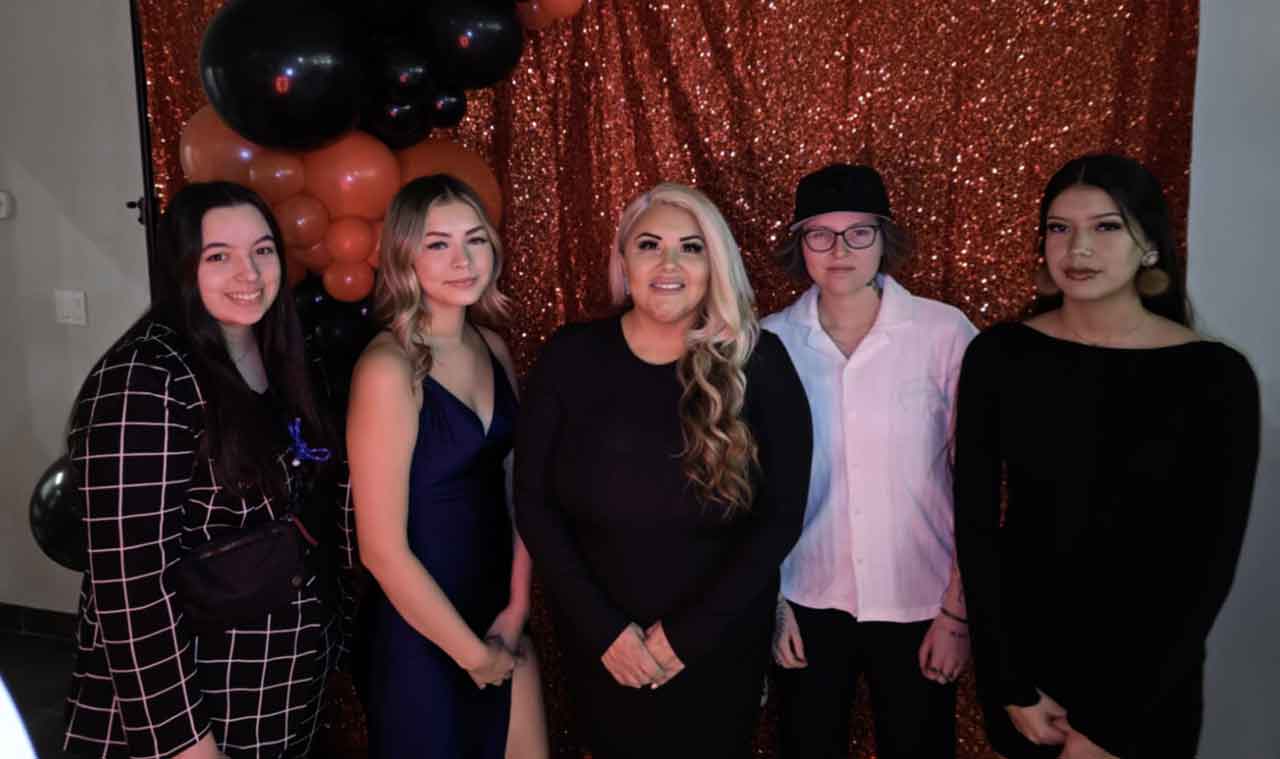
<point x="335" y="333"/>
<point x="282" y="73"/>
<point x="312" y="302"/>
<point x="474" y="43"/>
<point x="398" y="125"/>
<point x="397" y="70"/>
<point x="57" y="516"/>
<point x="447" y="108"/>
<point x="399" y="94"/>
<point x="381" y="16"/>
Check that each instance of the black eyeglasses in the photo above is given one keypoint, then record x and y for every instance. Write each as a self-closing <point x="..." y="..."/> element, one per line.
<point x="856" y="237"/>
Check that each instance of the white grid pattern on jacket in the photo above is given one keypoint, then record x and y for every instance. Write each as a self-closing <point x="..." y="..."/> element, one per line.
<point x="145" y="685"/>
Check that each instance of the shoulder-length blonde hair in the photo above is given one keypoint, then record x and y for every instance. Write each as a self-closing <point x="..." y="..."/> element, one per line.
<point x="399" y="302"/>
<point x="719" y="451"/>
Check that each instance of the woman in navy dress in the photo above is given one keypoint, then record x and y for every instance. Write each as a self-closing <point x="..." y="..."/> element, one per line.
<point x="429" y="427"/>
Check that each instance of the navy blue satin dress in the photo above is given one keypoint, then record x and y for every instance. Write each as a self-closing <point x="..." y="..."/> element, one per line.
<point x="421" y="704"/>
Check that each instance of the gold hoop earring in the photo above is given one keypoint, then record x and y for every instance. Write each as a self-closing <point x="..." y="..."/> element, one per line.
<point x="1152" y="282"/>
<point x="1045" y="285"/>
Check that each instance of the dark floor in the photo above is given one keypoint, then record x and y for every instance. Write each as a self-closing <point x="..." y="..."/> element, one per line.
<point x="37" y="670"/>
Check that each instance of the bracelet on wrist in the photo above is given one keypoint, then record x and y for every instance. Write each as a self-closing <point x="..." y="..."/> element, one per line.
<point x="952" y="616"/>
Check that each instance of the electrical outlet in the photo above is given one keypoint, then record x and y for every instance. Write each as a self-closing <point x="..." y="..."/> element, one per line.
<point x="6" y="205"/>
<point x="69" y="307"/>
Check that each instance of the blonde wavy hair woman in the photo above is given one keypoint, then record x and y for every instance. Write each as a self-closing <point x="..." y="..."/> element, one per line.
<point x="398" y="297"/>
<point x="429" y="427"/>
<point x="662" y="461"/>
<point x="719" y="448"/>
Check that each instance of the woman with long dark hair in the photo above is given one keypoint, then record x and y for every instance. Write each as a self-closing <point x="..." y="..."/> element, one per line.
<point x="662" y="460"/>
<point x="1129" y="445"/>
<point x="207" y="620"/>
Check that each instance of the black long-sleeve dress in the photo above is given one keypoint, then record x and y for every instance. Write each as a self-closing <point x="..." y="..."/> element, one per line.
<point x="1129" y="476"/>
<point x="146" y="686"/>
<point x="618" y="535"/>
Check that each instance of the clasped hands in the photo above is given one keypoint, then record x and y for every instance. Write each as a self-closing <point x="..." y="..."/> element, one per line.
<point x="1045" y="723"/>
<point x="642" y="658"/>
<point x="504" y="649"/>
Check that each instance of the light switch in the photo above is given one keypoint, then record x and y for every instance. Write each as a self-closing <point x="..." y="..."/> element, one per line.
<point x="69" y="305"/>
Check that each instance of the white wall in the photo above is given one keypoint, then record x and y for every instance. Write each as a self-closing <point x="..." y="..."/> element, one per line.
<point x="69" y="155"/>
<point x="1234" y="279"/>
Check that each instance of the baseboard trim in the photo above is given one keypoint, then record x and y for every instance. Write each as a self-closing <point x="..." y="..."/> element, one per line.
<point x="26" y="620"/>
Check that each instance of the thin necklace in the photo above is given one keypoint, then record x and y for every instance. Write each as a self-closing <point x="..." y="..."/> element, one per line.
<point x="1107" y="341"/>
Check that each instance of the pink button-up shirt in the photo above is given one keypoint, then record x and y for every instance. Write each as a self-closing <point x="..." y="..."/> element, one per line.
<point x="879" y="535"/>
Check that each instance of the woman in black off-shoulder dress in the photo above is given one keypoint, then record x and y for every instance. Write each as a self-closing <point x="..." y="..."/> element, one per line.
<point x="1130" y="446"/>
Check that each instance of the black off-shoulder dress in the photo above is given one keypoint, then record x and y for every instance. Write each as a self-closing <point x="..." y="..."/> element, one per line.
<point x="1129" y="477"/>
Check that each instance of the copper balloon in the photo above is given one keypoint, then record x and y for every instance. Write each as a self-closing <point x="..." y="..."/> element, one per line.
<point x="439" y="156"/>
<point x="533" y="14"/>
<point x="375" y="254"/>
<point x="275" y="175"/>
<point x="348" y="281"/>
<point x="561" y="8"/>
<point x="355" y="176"/>
<point x="209" y="150"/>
<point x="303" y="221"/>
<point x="317" y="257"/>
<point x="349" y="239"/>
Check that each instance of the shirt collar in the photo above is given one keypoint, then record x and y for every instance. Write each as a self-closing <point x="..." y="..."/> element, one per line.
<point x="896" y="307"/>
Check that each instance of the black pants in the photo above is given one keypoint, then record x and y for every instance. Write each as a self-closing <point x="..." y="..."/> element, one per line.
<point x="914" y="718"/>
<point x="1167" y="730"/>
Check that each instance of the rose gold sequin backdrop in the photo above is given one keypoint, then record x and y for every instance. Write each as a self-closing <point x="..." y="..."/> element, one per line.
<point x="965" y="106"/>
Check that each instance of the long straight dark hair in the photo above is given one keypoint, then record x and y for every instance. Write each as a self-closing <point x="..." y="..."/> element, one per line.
<point x="1138" y="195"/>
<point x="238" y="437"/>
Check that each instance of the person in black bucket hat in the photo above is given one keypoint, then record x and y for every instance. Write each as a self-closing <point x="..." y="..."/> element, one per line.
<point x="871" y="587"/>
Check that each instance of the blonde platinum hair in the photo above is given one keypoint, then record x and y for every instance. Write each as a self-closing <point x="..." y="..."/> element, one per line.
<point x="719" y="449"/>
<point x="398" y="299"/>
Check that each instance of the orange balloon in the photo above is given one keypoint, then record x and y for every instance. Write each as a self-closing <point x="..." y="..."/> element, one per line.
<point x="348" y="281"/>
<point x="355" y="176"/>
<point x="303" y="220"/>
<point x="439" y="156"/>
<point x="561" y="8"/>
<point x="533" y="15"/>
<point x="349" y="239"/>
<point x="375" y="256"/>
<point x="208" y="149"/>
<point x="275" y="175"/>
<point x="317" y="257"/>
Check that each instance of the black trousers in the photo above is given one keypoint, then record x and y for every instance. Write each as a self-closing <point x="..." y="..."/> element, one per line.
<point x="914" y="718"/>
<point x="1168" y="730"/>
